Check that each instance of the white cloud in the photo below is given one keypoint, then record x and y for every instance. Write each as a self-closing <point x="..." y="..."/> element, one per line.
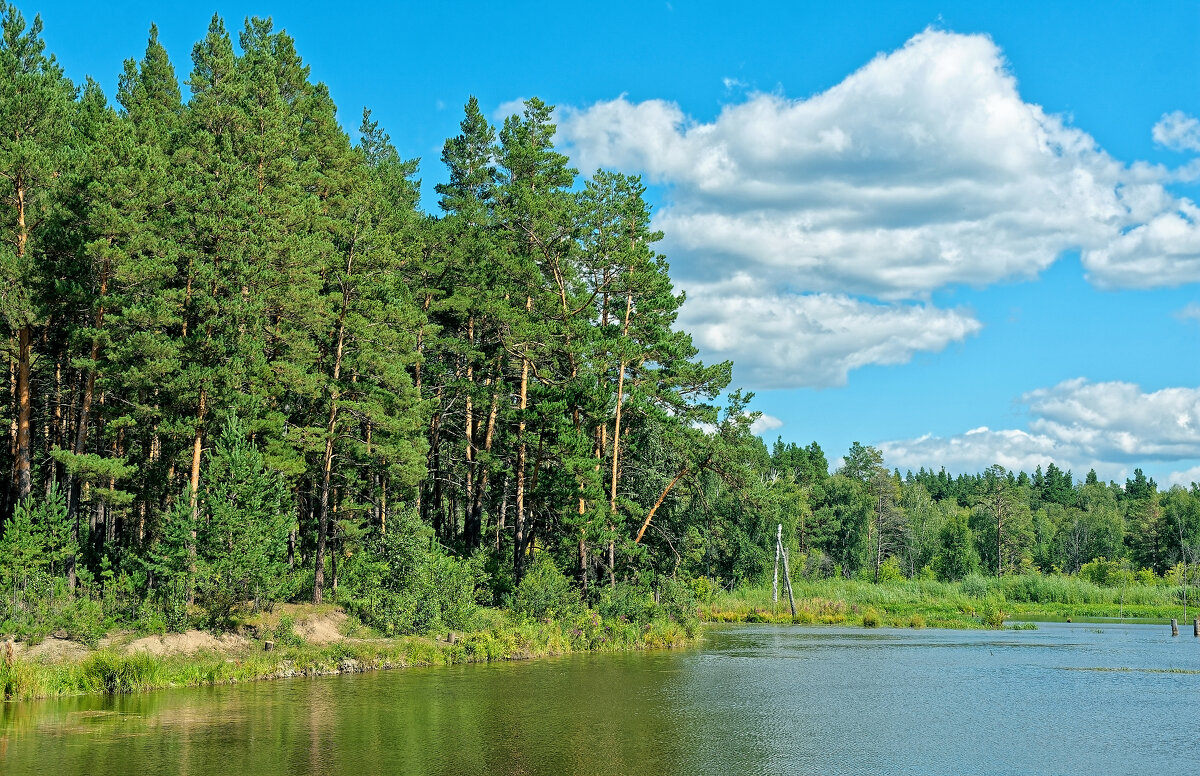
<point x="1165" y="251"/>
<point x="1189" y="312"/>
<point x="923" y="169"/>
<point x="1112" y="427"/>
<point x="1117" y="421"/>
<point x="973" y="451"/>
<point x="778" y="339"/>
<point x="1177" y="131"/>
<point x="764" y="424"/>
<point x="1184" y="478"/>
<point x="511" y="108"/>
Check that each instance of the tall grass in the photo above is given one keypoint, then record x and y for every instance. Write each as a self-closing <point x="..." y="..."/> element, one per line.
<point x="976" y="601"/>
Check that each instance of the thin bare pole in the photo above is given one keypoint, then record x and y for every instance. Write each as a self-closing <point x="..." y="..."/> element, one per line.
<point x="778" y="544"/>
<point x="787" y="577"/>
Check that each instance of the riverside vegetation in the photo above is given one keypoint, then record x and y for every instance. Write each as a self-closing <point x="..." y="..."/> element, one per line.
<point x="246" y="368"/>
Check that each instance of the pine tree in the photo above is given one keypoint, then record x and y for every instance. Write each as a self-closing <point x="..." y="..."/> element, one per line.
<point x="36" y="103"/>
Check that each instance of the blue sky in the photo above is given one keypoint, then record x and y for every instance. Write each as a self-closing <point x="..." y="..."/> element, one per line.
<point x="905" y="222"/>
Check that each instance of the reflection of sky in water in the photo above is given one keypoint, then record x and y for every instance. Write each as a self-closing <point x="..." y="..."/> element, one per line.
<point x="1063" y="699"/>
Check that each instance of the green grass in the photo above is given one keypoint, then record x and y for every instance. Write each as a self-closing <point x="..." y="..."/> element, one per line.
<point x="976" y="602"/>
<point x="499" y="638"/>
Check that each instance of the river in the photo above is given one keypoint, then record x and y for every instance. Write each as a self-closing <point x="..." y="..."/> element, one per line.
<point x="1062" y="699"/>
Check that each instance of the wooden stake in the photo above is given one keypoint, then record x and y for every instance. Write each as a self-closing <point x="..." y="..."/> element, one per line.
<point x="1174" y="627"/>
<point x="778" y="545"/>
<point x="787" y="577"/>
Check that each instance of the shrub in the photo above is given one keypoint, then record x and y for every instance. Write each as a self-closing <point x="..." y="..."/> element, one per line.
<point x="704" y="589"/>
<point x="546" y="593"/>
<point x="992" y="615"/>
<point x="627" y="602"/>
<point x="870" y="618"/>
<point x="285" y="634"/>
<point x="678" y="602"/>
<point x="889" y="570"/>
<point x="403" y="586"/>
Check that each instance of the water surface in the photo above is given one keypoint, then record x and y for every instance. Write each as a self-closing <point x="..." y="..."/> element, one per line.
<point x="1064" y="699"/>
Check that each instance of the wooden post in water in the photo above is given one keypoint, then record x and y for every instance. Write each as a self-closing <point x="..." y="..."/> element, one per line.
<point x="778" y="544"/>
<point x="1196" y="627"/>
<point x="1174" y="627"/>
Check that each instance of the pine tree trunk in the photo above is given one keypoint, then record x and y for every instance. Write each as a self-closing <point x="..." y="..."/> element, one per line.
<point x="24" y="442"/>
<point x="489" y="434"/>
<point x="617" y="420"/>
<point x="24" y="452"/>
<point x="471" y="525"/>
<point x="519" y="526"/>
<point x="330" y="433"/>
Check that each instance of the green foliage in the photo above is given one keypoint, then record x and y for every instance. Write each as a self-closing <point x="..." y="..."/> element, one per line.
<point x="403" y="585"/>
<point x="106" y="671"/>
<point x="703" y="589"/>
<point x="889" y="570"/>
<point x="546" y="593"/>
<point x="273" y="374"/>
<point x="957" y="557"/>
<point x="992" y="615"/>
<point x="1107" y="573"/>
<point x="284" y="633"/>
<point x="625" y="602"/>
<point x="242" y="536"/>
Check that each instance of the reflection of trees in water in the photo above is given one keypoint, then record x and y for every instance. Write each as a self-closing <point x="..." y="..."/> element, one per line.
<point x="589" y="714"/>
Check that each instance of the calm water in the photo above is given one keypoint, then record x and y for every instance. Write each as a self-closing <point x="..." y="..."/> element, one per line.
<point x="750" y="700"/>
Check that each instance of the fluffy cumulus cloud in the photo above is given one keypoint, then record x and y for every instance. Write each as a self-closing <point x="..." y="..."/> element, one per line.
<point x="764" y="424"/>
<point x="1178" y="132"/>
<point x="783" y="339"/>
<point x="973" y="451"/>
<point x="1163" y="251"/>
<point x="923" y="169"/>
<point x="1117" y="421"/>
<point x="1184" y="479"/>
<point x="1077" y="424"/>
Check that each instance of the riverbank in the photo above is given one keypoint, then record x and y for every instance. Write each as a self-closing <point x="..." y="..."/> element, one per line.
<point x="976" y="602"/>
<point x="298" y="640"/>
<point x="303" y="641"/>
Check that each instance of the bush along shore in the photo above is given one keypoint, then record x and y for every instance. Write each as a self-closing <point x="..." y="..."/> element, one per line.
<point x="547" y="617"/>
<point x="127" y="663"/>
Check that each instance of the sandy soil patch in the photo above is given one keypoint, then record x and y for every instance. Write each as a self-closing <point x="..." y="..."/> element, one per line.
<point x="322" y="628"/>
<point x="51" y="649"/>
<point x="186" y="643"/>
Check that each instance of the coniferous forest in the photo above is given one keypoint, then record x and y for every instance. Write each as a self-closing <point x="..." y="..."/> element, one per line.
<point x="246" y="364"/>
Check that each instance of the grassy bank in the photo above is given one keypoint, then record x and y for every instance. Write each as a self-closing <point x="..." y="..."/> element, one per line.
<point x="976" y="602"/>
<point x="111" y="670"/>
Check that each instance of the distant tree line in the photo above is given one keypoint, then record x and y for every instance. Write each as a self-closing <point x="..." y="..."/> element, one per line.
<point x="865" y="520"/>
